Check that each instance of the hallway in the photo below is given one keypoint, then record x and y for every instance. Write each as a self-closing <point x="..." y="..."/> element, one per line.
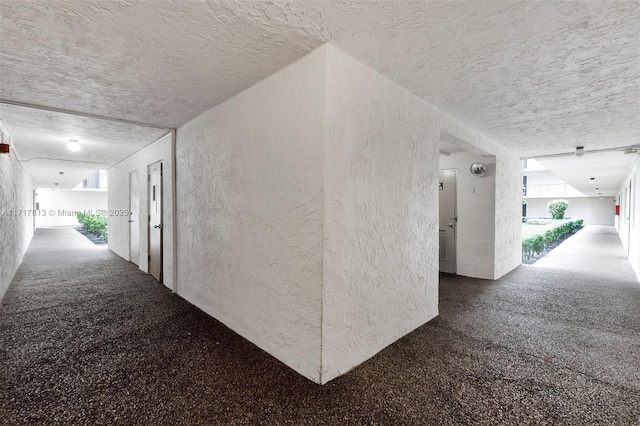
<point x="87" y="338"/>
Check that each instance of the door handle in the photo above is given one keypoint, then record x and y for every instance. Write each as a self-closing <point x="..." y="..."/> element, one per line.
<point x="158" y="226"/>
<point x="131" y="221"/>
<point x="451" y="225"/>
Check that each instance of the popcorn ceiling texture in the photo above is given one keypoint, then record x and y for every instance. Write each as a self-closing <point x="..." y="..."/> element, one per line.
<point x="16" y="193"/>
<point x="43" y="135"/>
<point x="536" y="76"/>
<point x="160" y="62"/>
<point x="119" y="200"/>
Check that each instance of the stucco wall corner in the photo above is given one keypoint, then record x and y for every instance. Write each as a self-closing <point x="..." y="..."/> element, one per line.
<point x="508" y="241"/>
<point x="380" y="275"/>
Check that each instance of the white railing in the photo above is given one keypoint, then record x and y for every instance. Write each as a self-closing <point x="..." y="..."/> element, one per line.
<point x="545" y="190"/>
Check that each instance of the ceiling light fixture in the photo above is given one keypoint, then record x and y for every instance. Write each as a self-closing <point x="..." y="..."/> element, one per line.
<point x="579" y="151"/>
<point x="74" y="145"/>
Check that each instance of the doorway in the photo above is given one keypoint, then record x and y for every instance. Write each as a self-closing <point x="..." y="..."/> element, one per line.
<point x="154" y="179"/>
<point x="447" y="220"/>
<point x="134" y="218"/>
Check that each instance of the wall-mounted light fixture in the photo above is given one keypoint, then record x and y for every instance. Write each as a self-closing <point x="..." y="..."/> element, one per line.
<point x="74" y="145"/>
<point x="478" y="169"/>
<point x="579" y="151"/>
<point x="592" y="180"/>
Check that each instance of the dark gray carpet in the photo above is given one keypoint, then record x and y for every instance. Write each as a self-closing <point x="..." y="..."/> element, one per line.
<point x="86" y="338"/>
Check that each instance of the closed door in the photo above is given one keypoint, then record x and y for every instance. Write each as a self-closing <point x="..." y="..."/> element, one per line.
<point x="154" y="179"/>
<point x="448" y="220"/>
<point x="134" y="218"/>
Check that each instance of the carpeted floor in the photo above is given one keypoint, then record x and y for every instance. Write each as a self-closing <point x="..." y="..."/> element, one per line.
<point x="86" y="338"/>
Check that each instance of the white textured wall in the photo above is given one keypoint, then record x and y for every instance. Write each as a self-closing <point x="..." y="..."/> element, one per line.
<point x="67" y="200"/>
<point x="250" y="208"/>
<point x="593" y="210"/>
<point x="119" y="200"/>
<point x="307" y="212"/>
<point x="508" y="196"/>
<point x="475" y="237"/>
<point x="508" y="206"/>
<point x="629" y="226"/>
<point x="380" y="250"/>
<point x="16" y="229"/>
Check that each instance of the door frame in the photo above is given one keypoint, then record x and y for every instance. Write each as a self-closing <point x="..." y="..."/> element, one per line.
<point x="455" y="221"/>
<point x="149" y="201"/>
<point x="131" y="213"/>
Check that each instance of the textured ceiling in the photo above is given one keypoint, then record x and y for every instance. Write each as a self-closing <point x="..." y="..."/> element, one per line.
<point x="43" y="138"/>
<point x="607" y="168"/>
<point x="539" y="77"/>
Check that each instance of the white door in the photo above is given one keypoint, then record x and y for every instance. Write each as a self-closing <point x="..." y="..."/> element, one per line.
<point x="134" y="218"/>
<point x="154" y="179"/>
<point x="448" y="220"/>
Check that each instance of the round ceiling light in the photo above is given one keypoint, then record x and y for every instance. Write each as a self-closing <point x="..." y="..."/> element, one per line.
<point x="74" y="145"/>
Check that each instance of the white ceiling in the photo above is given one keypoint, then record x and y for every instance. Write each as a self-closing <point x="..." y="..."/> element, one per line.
<point x="607" y="168"/>
<point x="537" y="76"/>
<point x="42" y="138"/>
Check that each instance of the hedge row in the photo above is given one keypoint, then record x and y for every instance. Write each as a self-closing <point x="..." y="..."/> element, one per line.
<point x="93" y="223"/>
<point x="535" y="245"/>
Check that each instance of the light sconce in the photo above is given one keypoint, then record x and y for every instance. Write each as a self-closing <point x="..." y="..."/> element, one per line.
<point x="592" y="180"/>
<point x="579" y="151"/>
<point x="478" y="169"/>
<point x="74" y="145"/>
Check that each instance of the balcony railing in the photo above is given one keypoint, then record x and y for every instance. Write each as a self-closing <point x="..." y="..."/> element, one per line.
<point x="545" y="190"/>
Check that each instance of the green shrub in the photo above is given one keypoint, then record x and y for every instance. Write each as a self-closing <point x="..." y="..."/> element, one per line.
<point x="557" y="208"/>
<point x="538" y="243"/>
<point x="94" y="224"/>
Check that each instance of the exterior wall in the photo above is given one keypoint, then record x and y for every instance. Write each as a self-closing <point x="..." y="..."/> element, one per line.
<point x="250" y="211"/>
<point x="475" y="232"/>
<point x="16" y="229"/>
<point x="628" y="223"/>
<point x="508" y="196"/>
<point x="508" y="219"/>
<point x="381" y="231"/>
<point x="593" y="210"/>
<point x="119" y="200"/>
<point x="70" y="201"/>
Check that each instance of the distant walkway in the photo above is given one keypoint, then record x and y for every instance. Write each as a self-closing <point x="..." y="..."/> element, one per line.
<point x="594" y="250"/>
<point x="86" y="338"/>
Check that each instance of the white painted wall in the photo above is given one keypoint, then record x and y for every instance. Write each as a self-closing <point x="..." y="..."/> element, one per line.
<point x="119" y="200"/>
<point x="508" y="206"/>
<point x="475" y="236"/>
<point x="628" y="223"/>
<point x="16" y="228"/>
<point x="250" y="209"/>
<point x="307" y="212"/>
<point x="380" y="248"/>
<point x="61" y="201"/>
<point x="508" y="197"/>
<point x="594" y="210"/>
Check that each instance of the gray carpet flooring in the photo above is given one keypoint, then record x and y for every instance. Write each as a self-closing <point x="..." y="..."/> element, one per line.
<point x="86" y="338"/>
